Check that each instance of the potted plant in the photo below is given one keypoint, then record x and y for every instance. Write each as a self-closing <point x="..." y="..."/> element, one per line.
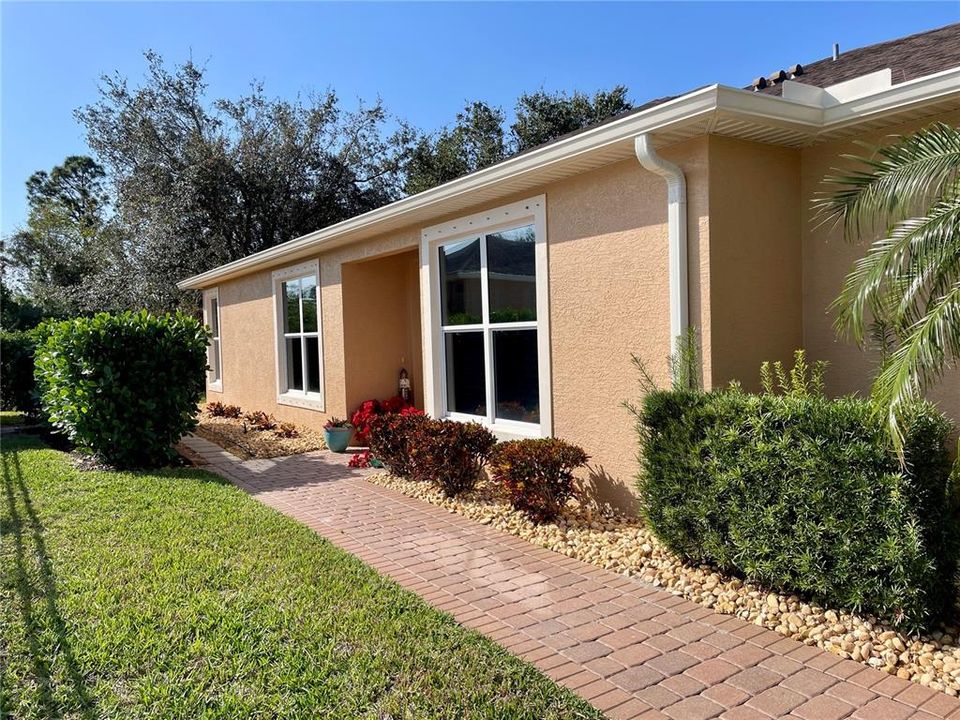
<point x="337" y="434"/>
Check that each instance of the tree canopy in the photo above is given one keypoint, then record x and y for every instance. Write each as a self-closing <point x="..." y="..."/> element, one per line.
<point x="181" y="182"/>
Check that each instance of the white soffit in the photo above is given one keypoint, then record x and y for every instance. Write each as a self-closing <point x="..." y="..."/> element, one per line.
<point x="715" y="109"/>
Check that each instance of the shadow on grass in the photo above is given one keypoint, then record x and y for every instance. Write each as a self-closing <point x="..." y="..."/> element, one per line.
<point x="44" y="628"/>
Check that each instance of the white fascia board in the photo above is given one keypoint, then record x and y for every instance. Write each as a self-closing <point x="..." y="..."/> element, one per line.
<point x="898" y="97"/>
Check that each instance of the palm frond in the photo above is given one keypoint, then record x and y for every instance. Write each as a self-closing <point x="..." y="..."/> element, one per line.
<point x="892" y="281"/>
<point x="893" y="183"/>
<point x="905" y="199"/>
<point x="921" y="358"/>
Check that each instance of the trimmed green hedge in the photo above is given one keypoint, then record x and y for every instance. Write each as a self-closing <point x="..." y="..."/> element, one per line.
<point x="126" y="386"/>
<point x="17" y="387"/>
<point x="801" y="493"/>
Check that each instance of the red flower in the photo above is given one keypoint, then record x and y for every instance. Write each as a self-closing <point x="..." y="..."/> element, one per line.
<point x="369" y="409"/>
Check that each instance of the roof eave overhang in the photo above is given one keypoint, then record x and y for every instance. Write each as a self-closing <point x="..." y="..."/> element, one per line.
<point x="714" y="109"/>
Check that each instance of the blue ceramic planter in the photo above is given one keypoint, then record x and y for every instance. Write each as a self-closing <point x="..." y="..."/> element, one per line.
<point x="337" y="439"/>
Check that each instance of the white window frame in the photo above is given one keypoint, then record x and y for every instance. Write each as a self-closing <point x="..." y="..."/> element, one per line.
<point x="526" y="212"/>
<point x="286" y="396"/>
<point x="214" y="374"/>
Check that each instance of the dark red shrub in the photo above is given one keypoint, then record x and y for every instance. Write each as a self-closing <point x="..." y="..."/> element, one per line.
<point x="286" y="430"/>
<point x="537" y="474"/>
<point x="218" y="409"/>
<point x="449" y="453"/>
<point x="361" y="419"/>
<point x="260" y="420"/>
<point x="390" y="437"/>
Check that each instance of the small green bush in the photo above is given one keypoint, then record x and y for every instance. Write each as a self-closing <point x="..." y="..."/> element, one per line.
<point x="802" y="493"/>
<point x="537" y="474"/>
<point x="17" y="386"/>
<point x="448" y="453"/>
<point x="125" y="386"/>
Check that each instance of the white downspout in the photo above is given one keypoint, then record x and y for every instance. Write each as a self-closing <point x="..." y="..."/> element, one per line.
<point x="677" y="232"/>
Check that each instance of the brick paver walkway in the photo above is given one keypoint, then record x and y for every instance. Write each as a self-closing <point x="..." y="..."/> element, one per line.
<point x="629" y="648"/>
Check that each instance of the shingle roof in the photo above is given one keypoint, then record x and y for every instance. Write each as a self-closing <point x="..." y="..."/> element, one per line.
<point x="908" y="57"/>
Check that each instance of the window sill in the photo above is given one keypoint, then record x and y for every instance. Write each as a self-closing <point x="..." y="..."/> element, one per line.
<point x="503" y="431"/>
<point x="215" y="386"/>
<point x="308" y="402"/>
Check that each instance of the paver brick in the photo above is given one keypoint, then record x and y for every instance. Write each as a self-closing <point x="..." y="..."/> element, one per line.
<point x="810" y="682"/>
<point x="776" y="701"/>
<point x="754" y="680"/>
<point x="824" y="707"/>
<point x="659" y="697"/>
<point x="714" y="671"/>
<point x="882" y="708"/>
<point x="694" y="708"/>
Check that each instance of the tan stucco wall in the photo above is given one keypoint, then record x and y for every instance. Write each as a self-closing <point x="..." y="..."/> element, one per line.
<point x="761" y="278"/>
<point x="609" y="298"/>
<point x="755" y="258"/>
<point x="381" y="313"/>
<point x="827" y="258"/>
<point x="248" y="334"/>
<point x="607" y="246"/>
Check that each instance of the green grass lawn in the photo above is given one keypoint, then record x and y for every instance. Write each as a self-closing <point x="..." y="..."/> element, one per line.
<point x="171" y="594"/>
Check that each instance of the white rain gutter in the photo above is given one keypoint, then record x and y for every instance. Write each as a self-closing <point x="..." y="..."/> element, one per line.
<point x="676" y="231"/>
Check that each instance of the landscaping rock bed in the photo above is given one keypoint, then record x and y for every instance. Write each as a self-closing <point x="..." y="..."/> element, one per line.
<point x="247" y="441"/>
<point x="603" y="537"/>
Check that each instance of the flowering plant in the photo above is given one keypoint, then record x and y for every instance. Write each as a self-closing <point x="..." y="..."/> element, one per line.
<point x="364" y="415"/>
<point x="360" y="459"/>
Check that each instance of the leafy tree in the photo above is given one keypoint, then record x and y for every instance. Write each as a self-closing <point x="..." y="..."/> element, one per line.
<point x="542" y="116"/>
<point x="905" y="200"/>
<point x="60" y="256"/>
<point x="480" y="138"/>
<point x="475" y="141"/>
<point x="199" y="183"/>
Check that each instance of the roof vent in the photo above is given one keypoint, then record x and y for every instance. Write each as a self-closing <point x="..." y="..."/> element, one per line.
<point x="795" y="71"/>
<point x="836" y="51"/>
<point x="759" y="84"/>
<point x="777" y="77"/>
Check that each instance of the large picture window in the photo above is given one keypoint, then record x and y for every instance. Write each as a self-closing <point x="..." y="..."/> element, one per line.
<point x="299" y="352"/>
<point x="211" y="317"/>
<point x="490" y="337"/>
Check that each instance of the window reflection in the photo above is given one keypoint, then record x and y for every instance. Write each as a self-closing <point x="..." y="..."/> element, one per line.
<point x="512" y="275"/>
<point x="466" y="374"/>
<point x="516" y="375"/>
<point x="460" y="283"/>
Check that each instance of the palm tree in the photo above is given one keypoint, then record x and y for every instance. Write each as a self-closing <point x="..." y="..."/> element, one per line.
<point x="905" y="200"/>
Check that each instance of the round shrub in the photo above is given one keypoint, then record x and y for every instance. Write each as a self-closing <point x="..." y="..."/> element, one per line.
<point x="537" y="474"/>
<point x="390" y="436"/>
<point x="125" y="386"/>
<point x="449" y="453"/>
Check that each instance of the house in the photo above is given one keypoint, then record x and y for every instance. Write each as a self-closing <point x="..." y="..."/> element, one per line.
<point x="516" y="295"/>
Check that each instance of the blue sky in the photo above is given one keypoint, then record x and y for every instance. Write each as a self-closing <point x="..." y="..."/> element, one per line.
<point x="424" y="60"/>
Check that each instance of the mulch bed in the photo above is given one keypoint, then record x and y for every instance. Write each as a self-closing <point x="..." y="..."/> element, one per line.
<point x="246" y="441"/>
